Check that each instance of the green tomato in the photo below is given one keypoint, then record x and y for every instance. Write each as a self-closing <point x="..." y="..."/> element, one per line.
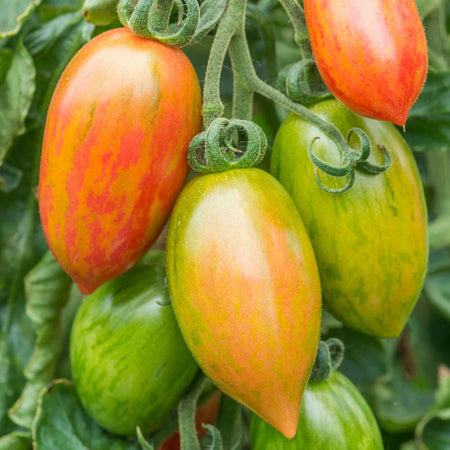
<point x="371" y="241"/>
<point x="130" y="364"/>
<point x="333" y="416"/>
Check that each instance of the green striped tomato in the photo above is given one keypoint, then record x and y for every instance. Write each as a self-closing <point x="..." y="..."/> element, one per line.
<point x="371" y="241"/>
<point x="245" y="289"/>
<point x="114" y="153"/>
<point x="333" y="416"/>
<point x="130" y="364"/>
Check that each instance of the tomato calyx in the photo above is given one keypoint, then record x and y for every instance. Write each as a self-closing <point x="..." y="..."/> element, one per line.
<point x="352" y="161"/>
<point x="301" y="82"/>
<point x="152" y="20"/>
<point x="328" y="359"/>
<point x="227" y="144"/>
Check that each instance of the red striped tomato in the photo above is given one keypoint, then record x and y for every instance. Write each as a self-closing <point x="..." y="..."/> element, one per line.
<point x="371" y="54"/>
<point x="245" y="289"/>
<point x="114" y="153"/>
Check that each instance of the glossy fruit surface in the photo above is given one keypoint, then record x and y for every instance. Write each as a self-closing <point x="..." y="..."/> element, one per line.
<point x="245" y="289"/>
<point x="371" y="54"/>
<point x="130" y="364"/>
<point x="371" y="241"/>
<point x="333" y="416"/>
<point x="114" y="153"/>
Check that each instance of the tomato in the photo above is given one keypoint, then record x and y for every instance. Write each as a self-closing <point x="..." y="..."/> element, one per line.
<point x="372" y="55"/>
<point x="130" y="364"/>
<point x="245" y="289"/>
<point x="206" y="414"/>
<point x="333" y="416"/>
<point x="371" y="241"/>
<point x="114" y="153"/>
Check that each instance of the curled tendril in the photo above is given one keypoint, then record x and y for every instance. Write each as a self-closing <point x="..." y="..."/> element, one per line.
<point x="352" y="161"/>
<point x="295" y="81"/>
<point x="227" y="144"/>
<point x="148" y="19"/>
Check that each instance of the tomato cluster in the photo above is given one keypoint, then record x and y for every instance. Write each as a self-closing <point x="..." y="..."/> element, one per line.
<point x="249" y="254"/>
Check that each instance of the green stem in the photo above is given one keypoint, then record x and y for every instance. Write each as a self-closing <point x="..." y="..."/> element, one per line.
<point x="242" y="91"/>
<point x="186" y="413"/>
<point x="228" y="26"/>
<point x="273" y="94"/>
<point x="243" y="66"/>
<point x="297" y="16"/>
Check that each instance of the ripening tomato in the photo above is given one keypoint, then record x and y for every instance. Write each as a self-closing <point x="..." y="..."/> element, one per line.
<point x="245" y="290"/>
<point x="371" y="241"/>
<point x="114" y="153"/>
<point x="130" y="364"/>
<point x="371" y="54"/>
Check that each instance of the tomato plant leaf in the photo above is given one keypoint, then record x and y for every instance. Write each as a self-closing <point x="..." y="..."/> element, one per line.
<point x="62" y="423"/>
<point x="18" y="440"/>
<point x="437" y="285"/>
<point x="9" y="177"/>
<point x="49" y="9"/>
<point x="21" y="239"/>
<point x="210" y="13"/>
<point x="365" y="356"/>
<point x="16" y="93"/>
<point x="428" y="125"/>
<point x="14" y="14"/>
<point x="6" y="56"/>
<point x="434" y="430"/>
<point x="47" y="288"/>
<point x="406" y="392"/>
<point x="425" y="7"/>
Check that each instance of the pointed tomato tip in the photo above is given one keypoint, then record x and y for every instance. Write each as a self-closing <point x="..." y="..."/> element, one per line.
<point x="290" y="434"/>
<point x="86" y="288"/>
<point x="286" y="425"/>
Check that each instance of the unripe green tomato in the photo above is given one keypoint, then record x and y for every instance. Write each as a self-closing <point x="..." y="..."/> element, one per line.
<point x="130" y="364"/>
<point x="333" y="416"/>
<point x="371" y="241"/>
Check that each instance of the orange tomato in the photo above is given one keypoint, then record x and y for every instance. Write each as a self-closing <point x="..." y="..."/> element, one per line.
<point x="371" y="54"/>
<point x="114" y="153"/>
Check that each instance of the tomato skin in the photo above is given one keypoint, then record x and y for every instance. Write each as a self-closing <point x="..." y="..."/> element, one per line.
<point x="333" y="416"/>
<point x="130" y="364"/>
<point x="114" y="153"/>
<point x="371" y="241"/>
<point x="245" y="289"/>
<point x="372" y="55"/>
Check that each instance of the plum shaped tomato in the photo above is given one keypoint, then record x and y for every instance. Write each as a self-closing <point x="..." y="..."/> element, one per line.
<point x="371" y="241"/>
<point x="130" y="364"/>
<point x="371" y="54"/>
<point x="114" y="153"/>
<point x="333" y="416"/>
<point x="245" y="289"/>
